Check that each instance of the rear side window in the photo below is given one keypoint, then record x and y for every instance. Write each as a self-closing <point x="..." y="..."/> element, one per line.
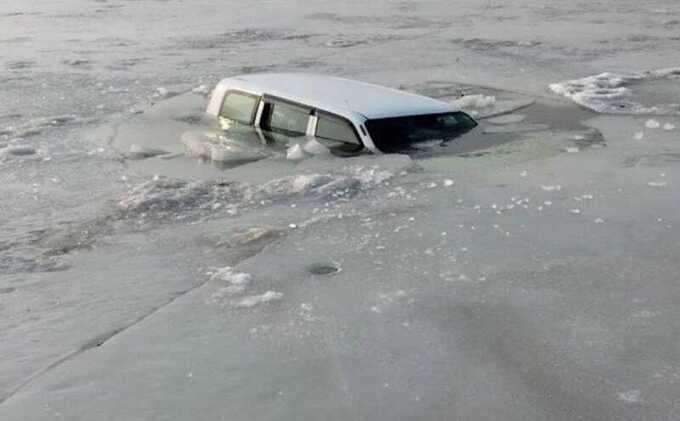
<point x="333" y="128"/>
<point x="287" y="118"/>
<point x="239" y="107"/>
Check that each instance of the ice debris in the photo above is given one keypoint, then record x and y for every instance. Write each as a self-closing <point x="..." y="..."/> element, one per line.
<point x="253" y="300"/>
<point x="448" y="182"/>
<point x="630" y="396"/>
<point x="612" y="92"/>
<point x="556" y="187"/>
<point x="669" y="126"/>
<point x="657" y="184"/>
<point x="236" y="283"/>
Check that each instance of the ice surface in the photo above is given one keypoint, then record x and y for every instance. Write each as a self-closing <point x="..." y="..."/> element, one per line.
<point x="106" y="311"/>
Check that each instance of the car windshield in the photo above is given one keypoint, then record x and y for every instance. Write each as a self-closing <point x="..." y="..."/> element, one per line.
<point x="397" y="132"/>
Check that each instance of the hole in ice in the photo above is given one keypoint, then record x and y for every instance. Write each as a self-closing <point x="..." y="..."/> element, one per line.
<point x="325" y="268"/>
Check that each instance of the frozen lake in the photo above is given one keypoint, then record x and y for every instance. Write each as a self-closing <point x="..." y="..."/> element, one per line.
<point x="526" y="271"/>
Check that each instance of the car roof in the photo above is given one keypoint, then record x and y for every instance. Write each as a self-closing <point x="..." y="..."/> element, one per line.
<point x="336" y="94"/>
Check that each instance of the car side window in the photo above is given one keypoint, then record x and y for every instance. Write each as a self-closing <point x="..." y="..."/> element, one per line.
<point x="239" y="107"/>
<point x="287" y="118"/>
<point x="337" y="129"/>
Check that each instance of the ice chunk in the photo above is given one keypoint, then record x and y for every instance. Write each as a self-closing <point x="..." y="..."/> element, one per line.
<point x="161" y="93"/>
<point x="254" y="300"/>
<point x="448" y="182"/>
<point x="552" y="188"/>
<point x="615" y="93"/>
<point x="475" y="101"/>
<point x="572" y="149"/>
<point x="575" y="211"/>
<point x="657" y="184"/>
<point x="201" y="90"/>
<point x="652" y="124"/>
<point x="669" y="126"/>
<point x="295" y="153"/>
<point x="639" y="135"/>
<point x="313" y="147"/>
<point x="598" y="221"/>
<point x="596" y="92"/>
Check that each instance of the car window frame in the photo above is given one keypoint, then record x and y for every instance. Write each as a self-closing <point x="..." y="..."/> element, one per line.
<point x="320" y="112"/>
<point x="253" y="113"/>
<point x="272" y="100"/>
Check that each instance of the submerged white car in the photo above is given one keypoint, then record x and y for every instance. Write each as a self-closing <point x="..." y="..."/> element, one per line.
<point x="344" y="115"/>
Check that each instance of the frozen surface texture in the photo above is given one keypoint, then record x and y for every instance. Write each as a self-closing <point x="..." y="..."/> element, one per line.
<point x="153" y="268"/>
